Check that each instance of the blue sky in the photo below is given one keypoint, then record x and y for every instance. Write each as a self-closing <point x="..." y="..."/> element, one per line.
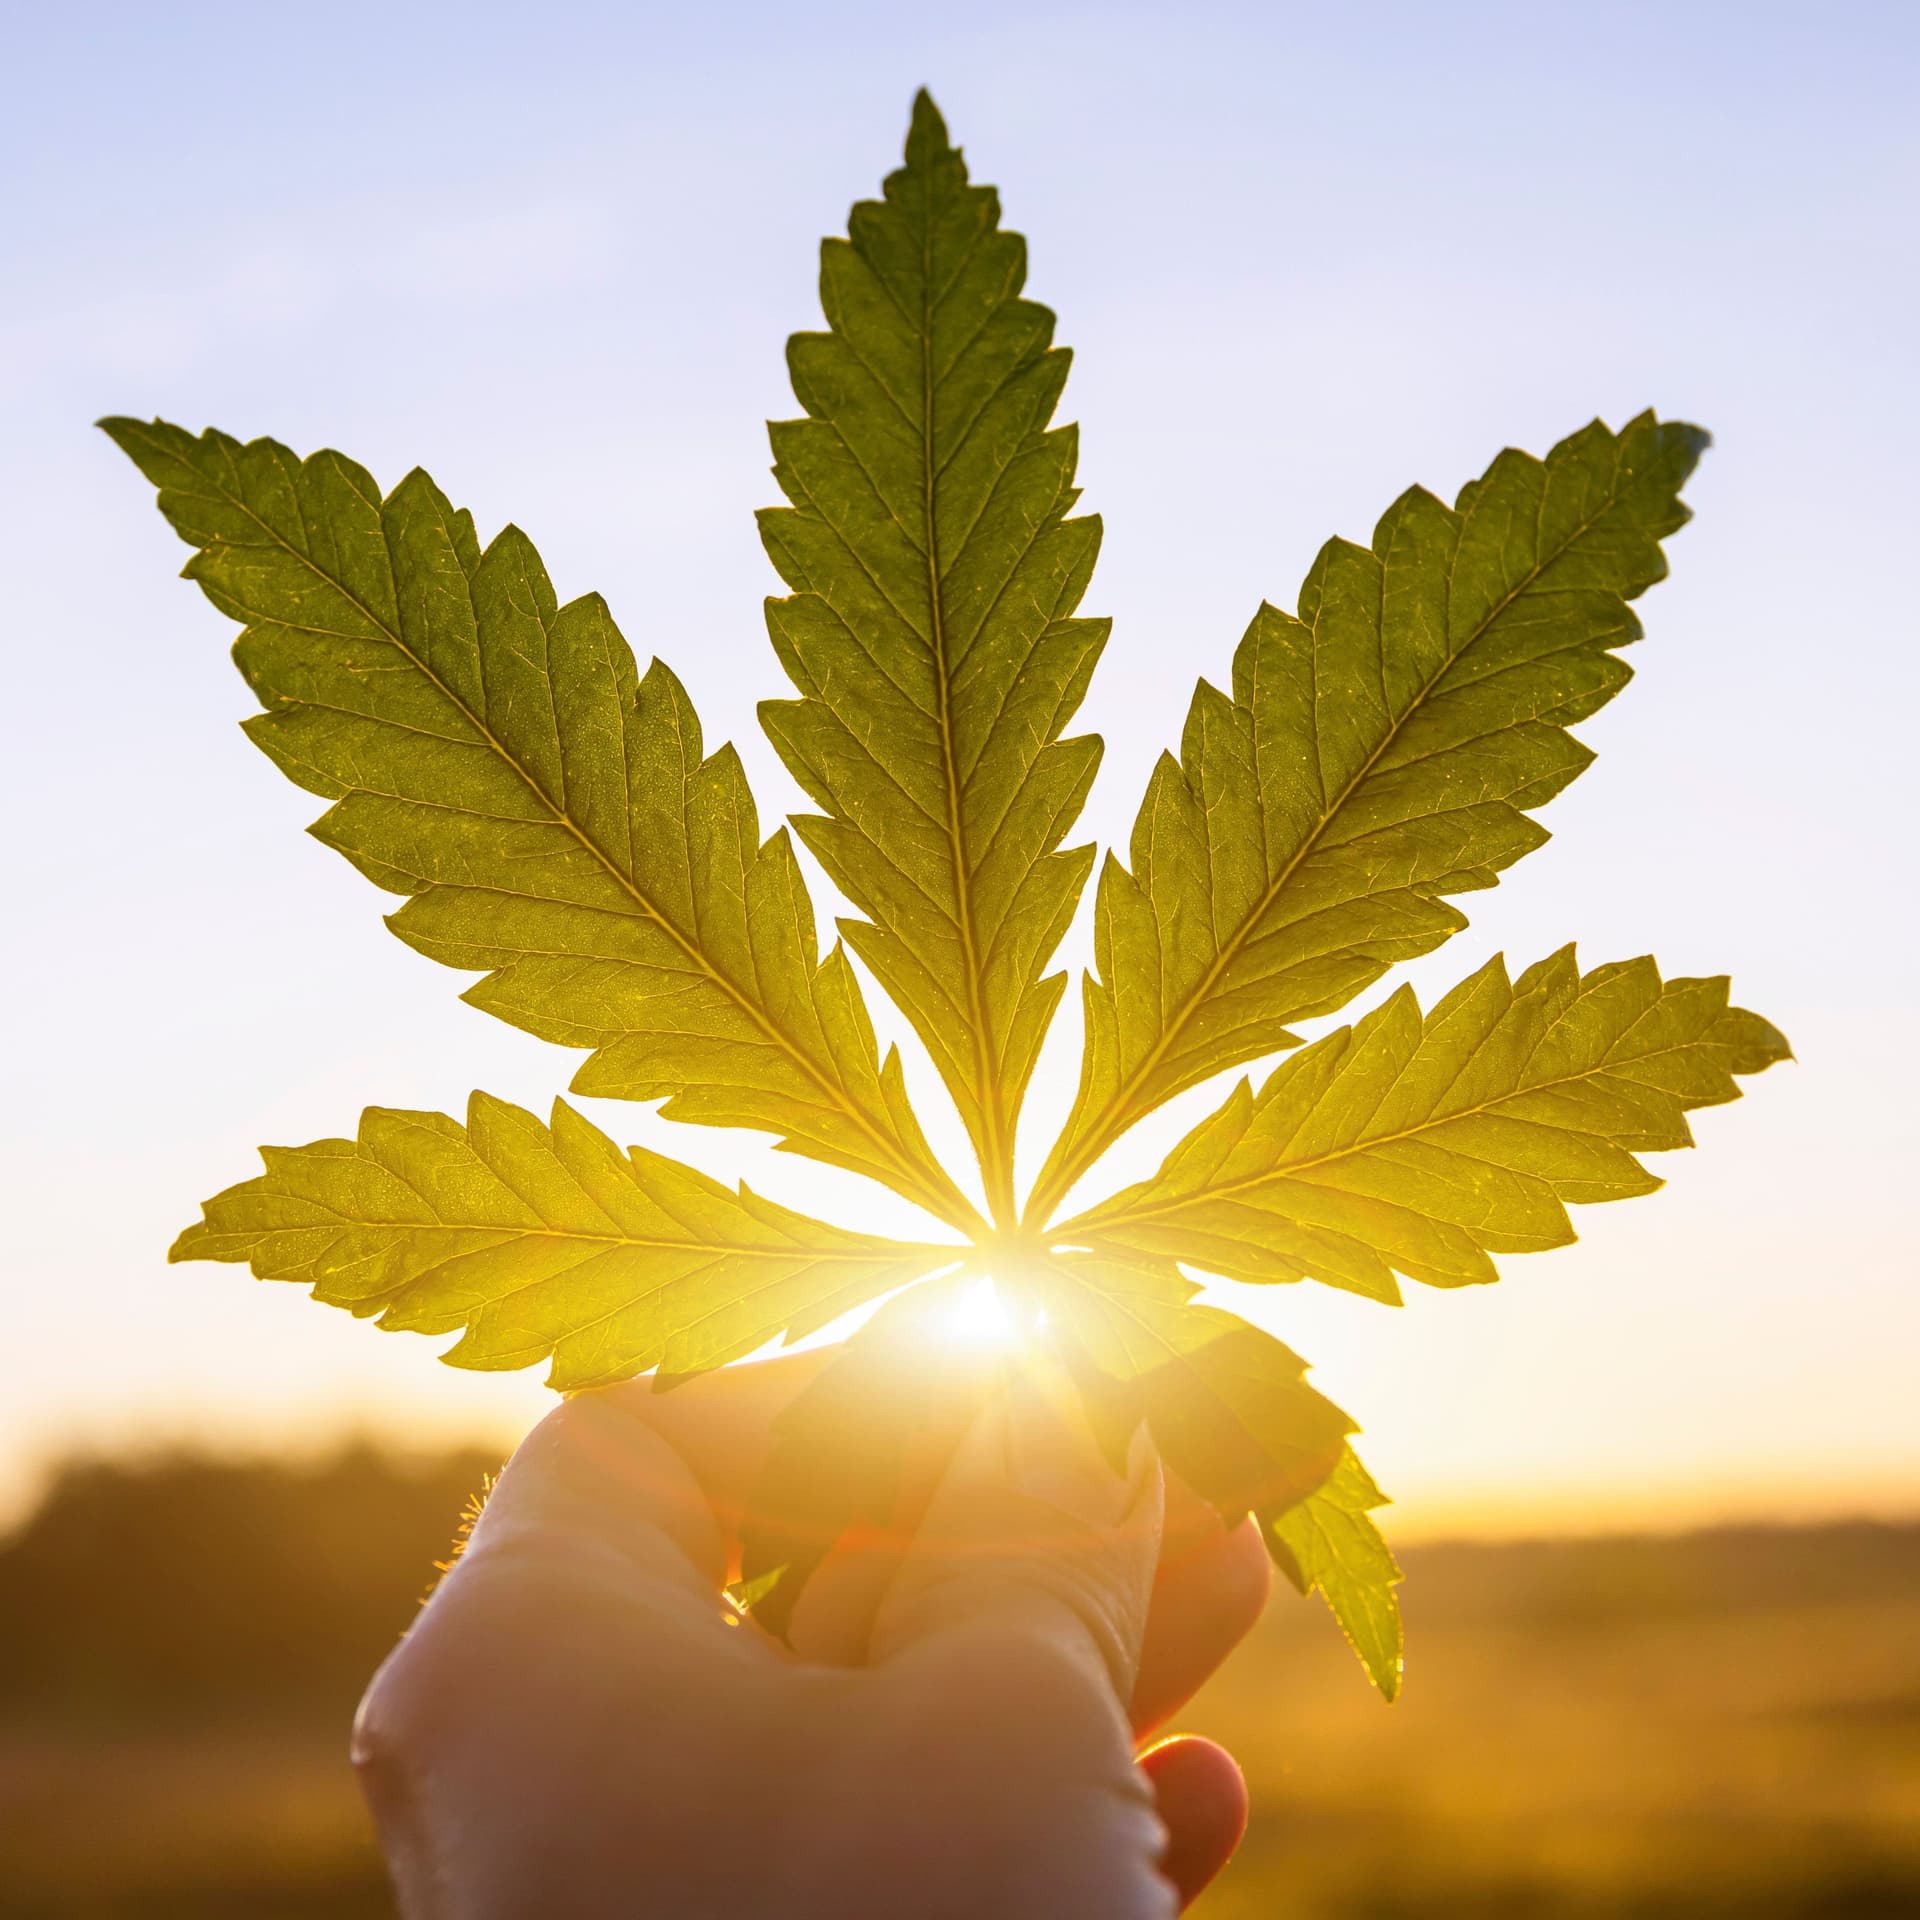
<point x="1306" y="256"/>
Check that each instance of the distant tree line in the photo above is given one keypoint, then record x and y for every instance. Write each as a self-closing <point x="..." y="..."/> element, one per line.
<point x="192" y="1589"/>
<point x="189" y="1588"/>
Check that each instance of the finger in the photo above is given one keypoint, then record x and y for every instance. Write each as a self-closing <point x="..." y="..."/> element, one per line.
<point x="589" y="1475"/>
<point x="1006" y="1645"/>
<point x="721" y="1425"/>
<point x="832" y="1621"/>
<point x="1208" y="1592"/>
<point x="1201" y="1797"/>
<point x="1207" y="1597"/>
<point x="1031" y="1531"/>
<point x="501" y="1729"/>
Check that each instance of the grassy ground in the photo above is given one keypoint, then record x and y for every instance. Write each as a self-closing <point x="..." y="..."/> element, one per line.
<point x="1727" y="1724"/>
<point x="1724" y="1725"/>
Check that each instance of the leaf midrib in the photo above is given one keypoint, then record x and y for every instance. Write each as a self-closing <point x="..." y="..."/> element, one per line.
<point x="996" y="1162"/>
<point x="1113" y="1119"/>
<point x="795" y="1250"/>
<point x="1099" y="1218"/>
<point x="935" y="1203"/>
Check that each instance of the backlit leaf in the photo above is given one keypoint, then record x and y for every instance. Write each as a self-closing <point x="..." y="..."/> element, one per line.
<point x="1379" y="752"/>
<point x="557" y="826"/>
<point x="544" y="1242"/>
<point x="1227" y="1404"/>
<point x="1423" y="1146"/>
<point x="931" y="630"/>
<point x="1327" y="1544"/>
<point x="553" y="817"/>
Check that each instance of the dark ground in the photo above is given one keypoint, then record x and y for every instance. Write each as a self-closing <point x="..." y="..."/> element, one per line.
<point x="1716" y="1725"/>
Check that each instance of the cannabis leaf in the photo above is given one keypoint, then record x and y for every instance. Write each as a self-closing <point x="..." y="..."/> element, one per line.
<point x="934" y="575"/>
<point x="1327" y="1544"/>
<point x="1379" y="751"/>
<point x="559" y="829"/>
<point x="544" y="1242"/>
<point x="1228" y="1405"/>
<point x="1421" y="1146"/>
<point x="492" y="754"/>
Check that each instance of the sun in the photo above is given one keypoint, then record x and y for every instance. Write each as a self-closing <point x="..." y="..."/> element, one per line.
<point x="979" y="1317"/>
<point x="984" y="1316"/>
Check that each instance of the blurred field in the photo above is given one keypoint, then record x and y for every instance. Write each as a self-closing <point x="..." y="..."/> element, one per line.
<point x="1723" y="1724"/>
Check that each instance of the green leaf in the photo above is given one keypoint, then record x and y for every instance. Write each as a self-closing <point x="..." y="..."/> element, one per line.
<point x="1327" y="1543"/>
<point x="1378" y="753"/>
<point x="1228" y="1405"/>
<point x="1422" y="1146"/>
<point x="934" y="576"/>
<point x="558" y="827"/>
<point x="863" y="1444"/>
<point x="492" y="754"/>
<point x="544" y="1242"/>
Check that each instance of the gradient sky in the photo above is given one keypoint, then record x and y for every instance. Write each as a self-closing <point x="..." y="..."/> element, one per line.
<point x="1306" y="255"/>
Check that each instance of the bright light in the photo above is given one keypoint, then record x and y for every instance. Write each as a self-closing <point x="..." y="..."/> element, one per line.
<point x="980" y="1318"/>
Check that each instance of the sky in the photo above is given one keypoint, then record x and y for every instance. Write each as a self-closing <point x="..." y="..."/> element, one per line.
<point x="1306" y="256"/>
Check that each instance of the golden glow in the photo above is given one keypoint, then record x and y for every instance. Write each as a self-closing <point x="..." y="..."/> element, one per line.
<point x="980" y="1317"/>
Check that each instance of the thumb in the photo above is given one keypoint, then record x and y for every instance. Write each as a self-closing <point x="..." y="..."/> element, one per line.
<point x="1033" y="1532"/>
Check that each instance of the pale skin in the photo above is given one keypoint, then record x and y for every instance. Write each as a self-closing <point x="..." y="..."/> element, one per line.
<point x="964" y="1726"/>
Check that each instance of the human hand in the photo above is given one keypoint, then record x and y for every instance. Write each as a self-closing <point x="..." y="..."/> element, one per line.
<point x="574" y="1727"/>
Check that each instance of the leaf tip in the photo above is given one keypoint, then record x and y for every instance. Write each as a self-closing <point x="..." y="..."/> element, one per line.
<point x="927" y="137"/>
<point x="137" y="440"/>
<point x="1696" y="440"/>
